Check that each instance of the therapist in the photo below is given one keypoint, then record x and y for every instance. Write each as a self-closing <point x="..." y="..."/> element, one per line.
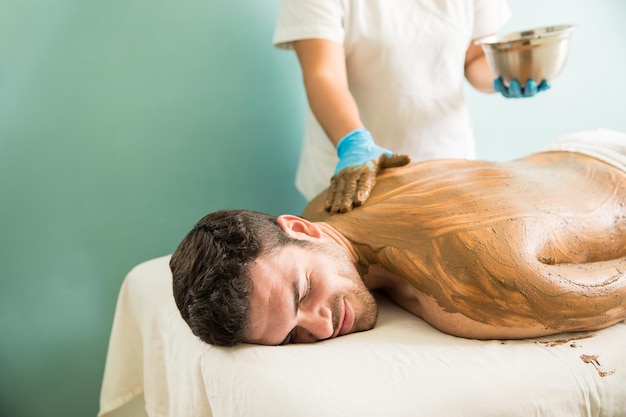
<point x="384" y="78"/>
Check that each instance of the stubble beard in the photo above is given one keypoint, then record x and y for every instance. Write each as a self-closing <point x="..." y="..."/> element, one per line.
<point x="365" y="308"/>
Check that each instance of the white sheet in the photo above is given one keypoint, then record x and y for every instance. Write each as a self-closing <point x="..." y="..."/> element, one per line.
<point x="403" y="367"/>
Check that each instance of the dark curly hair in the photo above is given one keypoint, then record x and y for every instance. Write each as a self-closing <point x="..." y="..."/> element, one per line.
<point x="211" y="281"/>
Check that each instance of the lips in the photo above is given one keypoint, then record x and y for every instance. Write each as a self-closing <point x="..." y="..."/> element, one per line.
<point x="348" y="319"/>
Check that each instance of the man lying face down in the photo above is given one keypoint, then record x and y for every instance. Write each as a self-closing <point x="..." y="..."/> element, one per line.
<point x="483" y="250"/>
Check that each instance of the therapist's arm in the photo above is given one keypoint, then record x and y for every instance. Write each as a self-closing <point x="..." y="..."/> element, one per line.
<point x="325" y="77"/>
<point x="477" y="71"/>
<point x="323" y="64"/>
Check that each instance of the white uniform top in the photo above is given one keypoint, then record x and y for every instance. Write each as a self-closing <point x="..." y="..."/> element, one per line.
<point x="405" y="62"/>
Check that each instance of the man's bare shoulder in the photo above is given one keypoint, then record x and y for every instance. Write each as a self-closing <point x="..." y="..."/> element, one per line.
<point x="314" y="211"/>
<point x="391" y="179"/>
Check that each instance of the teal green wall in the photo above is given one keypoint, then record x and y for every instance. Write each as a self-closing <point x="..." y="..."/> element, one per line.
<point x="121" y="123"/>
<point x="124" y="121"/>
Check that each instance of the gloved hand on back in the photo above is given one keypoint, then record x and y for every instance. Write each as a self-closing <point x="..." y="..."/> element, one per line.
<point x="515" y="90"/>
<point x="360" y="159"/>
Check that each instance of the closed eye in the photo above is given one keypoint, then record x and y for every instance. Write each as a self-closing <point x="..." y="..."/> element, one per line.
<point x="290" y="337"/>
<point x="308" y="289"/>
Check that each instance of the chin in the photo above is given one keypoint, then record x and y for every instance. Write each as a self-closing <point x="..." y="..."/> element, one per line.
<point x="368" y="317"/>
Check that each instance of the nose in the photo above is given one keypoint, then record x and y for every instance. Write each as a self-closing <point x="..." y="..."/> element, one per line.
<point x="315" y="324"/>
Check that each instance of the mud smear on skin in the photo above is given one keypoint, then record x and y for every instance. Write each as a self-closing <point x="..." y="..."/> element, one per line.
<point x="509" y="245"/>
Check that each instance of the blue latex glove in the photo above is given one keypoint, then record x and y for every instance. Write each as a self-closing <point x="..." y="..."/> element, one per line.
<point x="515" y="90"/>
<point x="358" y="148"/>
<point x="360" y="159"/>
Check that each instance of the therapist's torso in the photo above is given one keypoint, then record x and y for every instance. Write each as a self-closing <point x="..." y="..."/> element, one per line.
<point x="405" y="61"/>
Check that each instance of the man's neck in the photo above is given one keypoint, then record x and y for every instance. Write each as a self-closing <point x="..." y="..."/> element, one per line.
<point x="337" y="237"/>
<point x="373" y="276"/>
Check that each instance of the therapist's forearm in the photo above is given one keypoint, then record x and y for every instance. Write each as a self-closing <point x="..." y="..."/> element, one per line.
<point x="333" y="106"/>
<point x="479" y="75"/>
<point x="323" y="64"/>
<point x="477" y="70"/>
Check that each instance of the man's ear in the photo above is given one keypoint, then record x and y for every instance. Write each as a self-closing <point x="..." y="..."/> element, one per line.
<point x="297" y="227"/>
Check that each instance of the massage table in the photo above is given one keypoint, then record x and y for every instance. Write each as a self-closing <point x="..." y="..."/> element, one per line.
<point x="403" y="367"/>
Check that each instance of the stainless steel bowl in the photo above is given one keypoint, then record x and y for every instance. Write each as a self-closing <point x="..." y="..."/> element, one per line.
<point x="539" y="53"/>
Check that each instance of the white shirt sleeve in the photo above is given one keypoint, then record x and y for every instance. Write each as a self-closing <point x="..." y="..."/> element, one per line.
<point x="309" y="19"/>
<point x="489" y="16"/>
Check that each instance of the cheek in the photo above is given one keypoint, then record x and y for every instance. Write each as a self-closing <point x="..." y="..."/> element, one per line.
<point x="351" y="276"/>
<point x="342" y="286"/>
<point x="342" y="280"/>
<point x="335" y="275"/>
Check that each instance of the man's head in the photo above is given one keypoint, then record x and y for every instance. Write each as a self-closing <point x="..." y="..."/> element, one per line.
<point x="243" y="276"/>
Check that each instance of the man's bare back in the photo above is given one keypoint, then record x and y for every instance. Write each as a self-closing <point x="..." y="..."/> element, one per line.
<point x="496" y="250"/>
